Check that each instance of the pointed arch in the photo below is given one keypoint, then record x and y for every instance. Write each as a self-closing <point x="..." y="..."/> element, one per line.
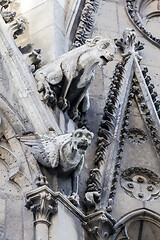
<point x="135" y="216"/>
<point x="15" y="174"/>
<point x="11" y="117"/>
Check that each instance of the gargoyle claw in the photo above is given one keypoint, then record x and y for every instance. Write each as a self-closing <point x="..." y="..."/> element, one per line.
<point x="62" y="103"/>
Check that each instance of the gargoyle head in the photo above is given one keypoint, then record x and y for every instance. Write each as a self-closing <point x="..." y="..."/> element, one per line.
<point x="104" y="49"/>
<point x="81" y="139"/>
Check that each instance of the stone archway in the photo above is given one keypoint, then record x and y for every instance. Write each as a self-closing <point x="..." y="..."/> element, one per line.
<point x="139" y="224"/>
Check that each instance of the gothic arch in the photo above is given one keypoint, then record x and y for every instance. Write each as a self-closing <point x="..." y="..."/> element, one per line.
<point x="137" y="217"/>
<point x="11" y="151"/>
<point x="10" y="116"/>
<point x="13" y="165"/>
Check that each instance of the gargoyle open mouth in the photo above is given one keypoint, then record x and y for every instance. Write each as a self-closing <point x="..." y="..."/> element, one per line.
<point x="104" y="60"/>
<point x="82" y="145"/>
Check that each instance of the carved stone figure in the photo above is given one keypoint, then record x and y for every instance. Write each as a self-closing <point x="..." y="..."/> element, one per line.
<point x="33" y="59"/>
<point x="8" y="16"/>
<point x="65" y="153"/>
<point x="4" y="3"/>
<point x="20" y="26"/>
<point x="68" y="77"/>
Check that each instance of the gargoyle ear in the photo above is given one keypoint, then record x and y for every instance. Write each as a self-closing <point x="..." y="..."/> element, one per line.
<point x="92" y="134"/>
<point x="97" y="38"/>
<point x="92" y="42"/>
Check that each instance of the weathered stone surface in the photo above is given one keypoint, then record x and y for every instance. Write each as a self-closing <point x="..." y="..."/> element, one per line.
<point x="128" y="189"/>
<point x="66" y="80"/>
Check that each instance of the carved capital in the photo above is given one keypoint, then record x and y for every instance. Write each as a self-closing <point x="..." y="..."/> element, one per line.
<point x="42" y="204"/>
<point x="99" y="225"/>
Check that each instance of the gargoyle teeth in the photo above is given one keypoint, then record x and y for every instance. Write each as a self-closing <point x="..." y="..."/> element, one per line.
<point x="82" y="145"/>
<point x="104" y="60"/>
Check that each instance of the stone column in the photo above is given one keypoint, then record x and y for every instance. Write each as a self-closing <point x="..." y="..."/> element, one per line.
<point x="42" y="203"/>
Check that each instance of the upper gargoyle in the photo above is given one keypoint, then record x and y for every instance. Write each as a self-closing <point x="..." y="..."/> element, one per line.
<point x="68" y="77"/>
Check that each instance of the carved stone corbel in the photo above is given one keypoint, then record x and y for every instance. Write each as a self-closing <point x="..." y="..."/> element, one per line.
<point x="99" y="225"/>
<point x="4" y="3"/>
<point x="20" y="27"/>
<point x="8" y="16"/>
<point x="42" y="203"/>
<point x="33" y="58"/>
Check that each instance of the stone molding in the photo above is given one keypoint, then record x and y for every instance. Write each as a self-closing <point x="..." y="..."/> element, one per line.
<point x="112" y="120"/>
<point x="86" y="23"/>
<point x="14" y="166"/>
<point x="133" y="10"/>
<point x="43" y="203"/>
<point x="123" y="223"/>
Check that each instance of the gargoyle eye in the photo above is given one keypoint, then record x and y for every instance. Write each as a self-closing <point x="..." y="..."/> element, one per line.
<point x="89" y="136"/>
<point x="104" y="46"/>
<point x="78" y="135"/>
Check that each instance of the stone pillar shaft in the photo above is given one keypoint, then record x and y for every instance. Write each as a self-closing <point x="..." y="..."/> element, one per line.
<point x="41" y="231"/>
<point x="42" y="203"/>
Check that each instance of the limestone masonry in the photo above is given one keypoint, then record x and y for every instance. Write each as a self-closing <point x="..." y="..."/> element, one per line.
<point x="79" y="120"/>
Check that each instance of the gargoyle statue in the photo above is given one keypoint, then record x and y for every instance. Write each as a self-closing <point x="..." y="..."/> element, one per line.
<point x="65" y="153"/>
<point x="68" y="77"/>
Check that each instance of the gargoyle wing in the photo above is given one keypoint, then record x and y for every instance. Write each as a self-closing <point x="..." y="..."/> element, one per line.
<point x="44" y="149"/>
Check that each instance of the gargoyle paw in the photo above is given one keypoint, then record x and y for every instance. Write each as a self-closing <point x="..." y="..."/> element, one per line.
<point x="62" y="103"/>
<point x="74" y="198"/>
<point x="74" y="113"/>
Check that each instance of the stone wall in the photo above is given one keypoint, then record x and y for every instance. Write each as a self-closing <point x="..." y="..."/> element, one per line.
<point x="51" y="26"/>
<point x="49" y="23"/>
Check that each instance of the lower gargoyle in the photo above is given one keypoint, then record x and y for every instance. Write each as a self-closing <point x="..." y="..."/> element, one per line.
<point x="64" y="153"/>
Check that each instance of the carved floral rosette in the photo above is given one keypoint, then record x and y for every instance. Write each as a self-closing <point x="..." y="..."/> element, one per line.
<point x="140" y="183"/>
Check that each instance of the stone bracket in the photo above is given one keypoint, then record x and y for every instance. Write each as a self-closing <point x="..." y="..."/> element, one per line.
<point x="99" y="225"/>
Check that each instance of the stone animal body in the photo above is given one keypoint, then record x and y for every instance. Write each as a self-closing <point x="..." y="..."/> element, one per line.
<point x="68" y="77"/>
<point x="65" y="153"/>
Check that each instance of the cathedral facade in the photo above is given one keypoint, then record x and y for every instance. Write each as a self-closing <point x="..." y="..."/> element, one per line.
<point x="79" y="120"/>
